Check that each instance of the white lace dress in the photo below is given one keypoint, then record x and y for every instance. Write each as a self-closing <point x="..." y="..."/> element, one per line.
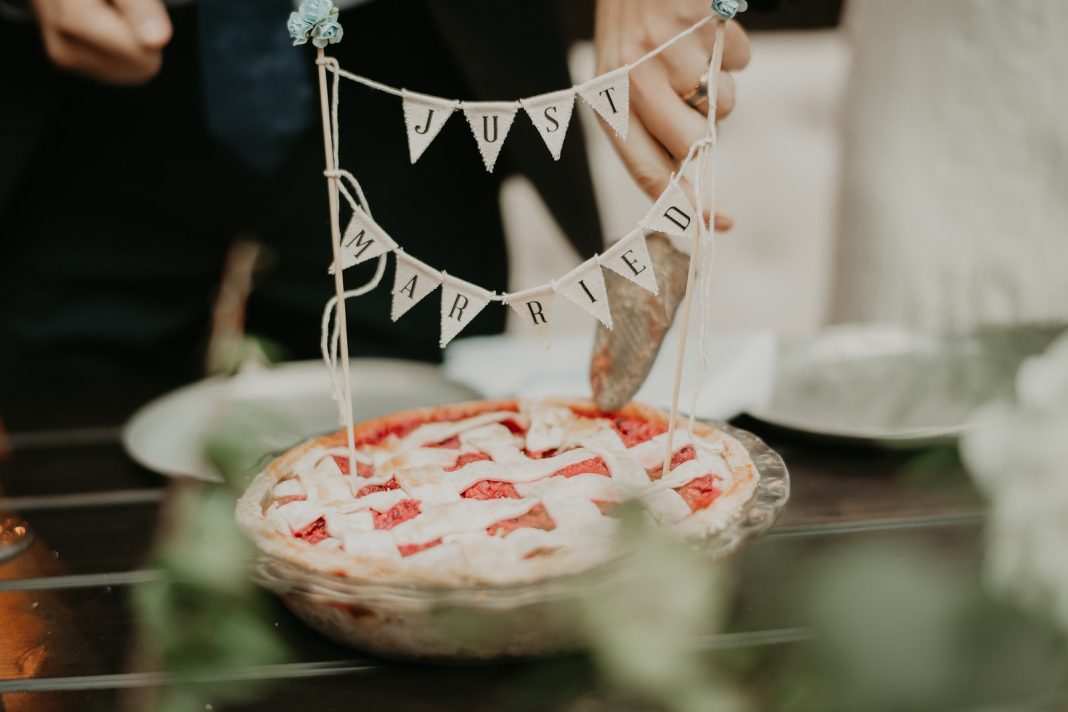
<point x="955" y="174"/>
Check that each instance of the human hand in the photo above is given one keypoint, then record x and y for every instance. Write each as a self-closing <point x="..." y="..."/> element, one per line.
<point x="663" y="126"/>
<point x="118" y="42"/>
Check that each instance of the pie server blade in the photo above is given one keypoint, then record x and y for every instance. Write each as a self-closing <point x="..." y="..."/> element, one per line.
<point x="624" y="355"/>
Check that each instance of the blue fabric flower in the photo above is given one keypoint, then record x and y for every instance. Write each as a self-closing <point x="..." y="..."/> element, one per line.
<point x="727" y="9"/>
<point x="316" y="19"/>
<point x="328" y="31"/>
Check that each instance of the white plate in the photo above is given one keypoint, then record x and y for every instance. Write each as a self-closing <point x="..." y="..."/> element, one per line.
<point x="273" y="409"/>
<point x="882" y="383"/>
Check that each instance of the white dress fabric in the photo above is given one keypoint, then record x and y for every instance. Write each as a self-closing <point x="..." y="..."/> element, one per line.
<point x="955" y="172"/>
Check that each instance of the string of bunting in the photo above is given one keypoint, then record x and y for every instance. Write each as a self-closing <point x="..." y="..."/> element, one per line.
<point x="490" y="121"/>
<point x="461" y="301"/>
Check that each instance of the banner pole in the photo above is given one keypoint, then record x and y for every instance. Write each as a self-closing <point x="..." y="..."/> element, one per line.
<point x="335" y="235"/>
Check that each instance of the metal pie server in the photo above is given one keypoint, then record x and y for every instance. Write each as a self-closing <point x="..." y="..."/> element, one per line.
<point x="624" y="355"/>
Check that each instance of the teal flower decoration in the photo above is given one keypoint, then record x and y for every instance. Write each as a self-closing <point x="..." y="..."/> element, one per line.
<point x="727" y="9"/>
<point x="317" y="20"/>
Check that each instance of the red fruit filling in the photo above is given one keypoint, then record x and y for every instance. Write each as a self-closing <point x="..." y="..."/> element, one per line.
<point x="314" y="532"/>
<point x="593" y="466"/>
<point x="390" y="484"/>
<point x="363" y="470"/>
<point x="607" y="508"/>
<point x="290" y="498"/>
<point x="409" y="549"/>
<point x="467" y="457"/>
<point x="699" y="493"/>
<point x="540" y="454"/>
<point x="402" y="428"/>
<point x="631" y="429"/>
<point x="537" y="518"/>
<point x="452" y="443"/>
<point x="681" y="455"/>
<point x="515" y="427"/>
<point x="491" y="489"/>
<point x="400" y="512"/>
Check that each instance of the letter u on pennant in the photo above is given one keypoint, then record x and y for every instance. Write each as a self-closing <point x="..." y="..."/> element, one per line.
<point x="423" y="118"/>
<point x="534" y="307"/>
<point x="412" y="281"/>
<point x="460" y="303"/>
<point x="489" y="122"/>
<point x="584" y="286"/>
<point x="363" y="240"/>
<point x="551" y="115"/>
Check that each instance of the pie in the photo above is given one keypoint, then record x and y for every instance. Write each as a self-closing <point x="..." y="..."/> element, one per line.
<point x="490" y="492"/>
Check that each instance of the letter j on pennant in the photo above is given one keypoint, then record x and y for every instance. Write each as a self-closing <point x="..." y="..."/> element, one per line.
<point x="424" y="116"/>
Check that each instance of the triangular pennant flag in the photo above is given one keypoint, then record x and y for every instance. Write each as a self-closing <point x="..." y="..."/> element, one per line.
<point x="423" y="117"/>
<point x="630" y="258"/>
<point x="673" y="215"/>
<point x="412" y="281"/>
<point x="489" y="122"/>
<point x="609" y="96"/>
<point x="363" y="240"/>
<point x="460" y="303"/>
<point x="551" y="115"/>
<point x="584" y="285"/>
<point x="535" y="309"/>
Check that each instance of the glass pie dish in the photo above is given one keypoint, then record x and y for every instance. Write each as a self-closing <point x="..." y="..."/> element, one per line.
<point x="482" y="622"/>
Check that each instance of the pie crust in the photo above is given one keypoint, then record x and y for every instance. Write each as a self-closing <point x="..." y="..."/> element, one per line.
<point x="489" y="492"/>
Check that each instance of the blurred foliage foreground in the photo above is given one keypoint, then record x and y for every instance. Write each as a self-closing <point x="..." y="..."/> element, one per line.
<point x="890" y="621"/>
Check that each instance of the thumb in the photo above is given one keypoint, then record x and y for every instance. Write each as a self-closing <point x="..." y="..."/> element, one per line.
<point x="149" y="21"/>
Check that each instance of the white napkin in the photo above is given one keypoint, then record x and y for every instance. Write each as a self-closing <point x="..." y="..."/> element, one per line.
<point x="739" y="377"/>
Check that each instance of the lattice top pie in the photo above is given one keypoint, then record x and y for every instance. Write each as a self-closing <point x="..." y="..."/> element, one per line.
<point x="489" y="492"/>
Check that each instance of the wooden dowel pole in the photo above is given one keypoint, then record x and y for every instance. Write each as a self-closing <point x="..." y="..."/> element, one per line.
<point x="335" y="235"/>
<point x="680" y="362"/>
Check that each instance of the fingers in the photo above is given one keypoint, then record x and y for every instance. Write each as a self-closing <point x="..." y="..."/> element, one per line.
<point x="645" y="159"/>
<point x="96" y="39"/>
<point x="669" y="119"/>
<point x="735" y="47"/>
<point x="149" y="21"/>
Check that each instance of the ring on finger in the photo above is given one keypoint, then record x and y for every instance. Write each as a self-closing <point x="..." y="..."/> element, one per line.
<point x="697" y="96"/>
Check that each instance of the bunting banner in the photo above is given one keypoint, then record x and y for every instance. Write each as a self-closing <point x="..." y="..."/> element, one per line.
<point x="424" y="117"/>
<point x="363" y="240"/>
<point x="535" y="309"/>
<point x="630" y="258"/>
<point x="489" y="122"/>
<point x="412" y="281"/>
<point x="608" y="95"/>
<point x="584" y="286"/>
<point x="460" y="303"/>
<point x="673" y="215"/>
<point x="551" y="115"/>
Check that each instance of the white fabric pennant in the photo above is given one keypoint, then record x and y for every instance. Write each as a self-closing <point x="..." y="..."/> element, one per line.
<point x="423" y="117"/>
<point x="412" y="281"/>
<point x="460" y="303"/>
<point x="630" y="258"/>
<point x="609" y="96"/>
<point x="489" y="122"/>
<point x="363" y="240"/>
<point x="535" y="309"/>
<point x="673" y="215"/>
<point x="551" y="115"/>
<point x="584" y="285"/>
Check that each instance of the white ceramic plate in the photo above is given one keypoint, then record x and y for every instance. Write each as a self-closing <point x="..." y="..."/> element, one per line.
<point x="886" y="384"/>
<point x="273" y="409"/>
